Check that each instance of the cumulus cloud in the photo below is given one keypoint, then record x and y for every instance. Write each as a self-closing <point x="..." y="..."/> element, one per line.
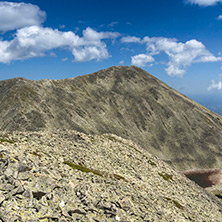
<point x="141" y="60"/>
<point x="204" y="2"/>
<point x="215" y="86"/>
<point x="19" y="15"/>
<point x="181" y="55"/>
<point x="90" y="53"/>
<point x="219" y="17"/>
<point x="35" y="41"/>
<point x="32" y="40"/>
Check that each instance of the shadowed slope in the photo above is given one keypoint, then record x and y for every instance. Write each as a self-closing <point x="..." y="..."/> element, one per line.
<point x="126" y="101"/>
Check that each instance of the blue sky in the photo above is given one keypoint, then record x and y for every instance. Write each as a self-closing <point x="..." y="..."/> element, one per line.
<point x="178" y="41"/>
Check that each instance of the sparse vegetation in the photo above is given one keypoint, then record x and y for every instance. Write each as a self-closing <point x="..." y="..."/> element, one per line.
<point x="151" y="162"/>
<point x="6" y="140"/>
<point x="176" y="203"/>
<point x="96" y="172"/>
<point x="136" y="149"/>
<point x="118" y="177"/>
<point x="104" y="177"/>
<point x="35" y="154"/>
<point x="95" y="181"/>
<point x="82" y="168"/>
<point x="166" y="176"/>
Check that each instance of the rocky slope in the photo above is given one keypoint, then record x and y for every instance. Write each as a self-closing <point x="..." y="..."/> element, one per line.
<point x="70" y="176"/>
<point x="126" y="101"/>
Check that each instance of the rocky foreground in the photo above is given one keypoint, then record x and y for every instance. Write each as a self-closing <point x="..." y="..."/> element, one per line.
<point x="70" y="176"/>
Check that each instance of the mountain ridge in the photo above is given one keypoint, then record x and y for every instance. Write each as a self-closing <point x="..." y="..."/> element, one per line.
<point x="126" y="101"/>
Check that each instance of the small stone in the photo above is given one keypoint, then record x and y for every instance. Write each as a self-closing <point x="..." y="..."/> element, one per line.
<point x="117" y="218"/>
<point x="2" y="198"/>
<point x="18" y="190"/>
<point x="9" y="172"/>
<point x="23" y="168"/>
<point x="6" y="187"/>
<point x="27" y="194"/>
<point x="24" y="176"/>
<point x="44" y="220"/>
<point x="62" y="204"/>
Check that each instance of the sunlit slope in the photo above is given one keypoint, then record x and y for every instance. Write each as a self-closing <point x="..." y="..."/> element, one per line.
<point x="126" y="101"/>
<point x="69" y="176"/>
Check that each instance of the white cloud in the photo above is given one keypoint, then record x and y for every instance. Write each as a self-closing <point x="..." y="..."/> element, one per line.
<point x="62" y="26"/>
<point x="52" y="54"/>
<point x="141" y="60"/>
<point x="19" y="15"/>
<point x="76" y="29"/>
<point x="215" y="86"/>
<point x="204" y="2"/>
<point x="112" y="24"/>
<point x="34" y="41"/>
<point x="181" y="55"/>
<point x="65" y="59"/>
<point x="90" y="52"/>
<point x="92" y="36"/>
<point x="219" y="17"/>
<point x="130" y="39"/>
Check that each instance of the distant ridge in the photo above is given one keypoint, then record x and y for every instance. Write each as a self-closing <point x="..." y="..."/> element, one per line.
<point x="126" y="101"/>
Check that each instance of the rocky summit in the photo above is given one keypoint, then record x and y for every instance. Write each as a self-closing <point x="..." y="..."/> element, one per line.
<point x="126" y="101"/>
<point x="65" y="175"/>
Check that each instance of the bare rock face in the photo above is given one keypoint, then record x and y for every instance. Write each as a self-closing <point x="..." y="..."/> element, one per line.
<point x="70" y="176"/>
<point x="126" y="101"/>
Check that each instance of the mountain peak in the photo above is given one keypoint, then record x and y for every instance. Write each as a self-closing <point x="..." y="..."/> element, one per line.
<point x="122" y="100"/>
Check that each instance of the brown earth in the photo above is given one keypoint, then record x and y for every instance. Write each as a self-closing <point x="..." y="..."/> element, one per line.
<point x="205" y="178"/>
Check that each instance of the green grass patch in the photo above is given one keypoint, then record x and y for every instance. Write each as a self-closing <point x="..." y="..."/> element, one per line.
<point x="151" y="162"/>
<point x="176" y="203"/>
<point x="44" y="153"/>
<point x="136" y="149"/>
<point x="118" y="177"/>
<point x="166" y="176"/>
<point x="96" y="172"/>
<point x="82" y="168"/>
<point x="6" y="140"/>
<point x="35" y="154"/>
<point x="39" y="153"/>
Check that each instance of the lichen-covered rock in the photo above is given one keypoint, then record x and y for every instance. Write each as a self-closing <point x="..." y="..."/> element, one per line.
<point x="69" y="176"/>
